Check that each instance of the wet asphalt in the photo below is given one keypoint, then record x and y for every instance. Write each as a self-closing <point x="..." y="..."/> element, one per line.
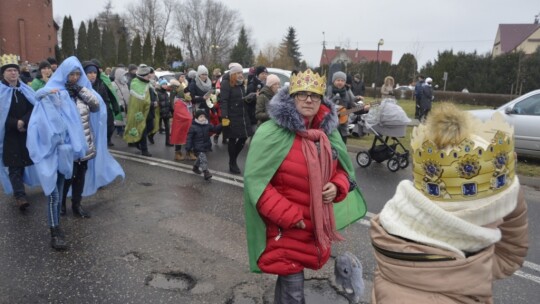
<point x="164" y="235"/>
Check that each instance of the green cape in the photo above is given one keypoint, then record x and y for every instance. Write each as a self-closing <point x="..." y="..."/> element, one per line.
<point x="267" y="150"/>
<point x="114" y="103"/>
<point x="139" y="105"/>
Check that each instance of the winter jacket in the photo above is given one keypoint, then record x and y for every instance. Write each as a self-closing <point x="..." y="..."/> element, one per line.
<point x="358" y="88"/>
<point x="15" y="153"/>
<point x="344" y="100"/>
<point x="254" y="86"/>
<point x="87" y="103"/>
<point x="121" y="87"/>
<point x="198" y="138"/>
<point x="261" y="110"/>
<point x="286" y="200"/>
<point x="453" y="278"/>
<point x="164" y="104"/>
<point x="387" y="91"/>
<point x="37" y="83"/>
<point x="426" y="96"/>
<point x="181" y="122"/>
<point x="234" y="108"/>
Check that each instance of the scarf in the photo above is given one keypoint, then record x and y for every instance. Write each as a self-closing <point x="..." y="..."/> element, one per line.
<point x="454" y="226"/>
<point x="341" y="91"/>
<point x="204" y="86"/>
<point x="319" y="173"/>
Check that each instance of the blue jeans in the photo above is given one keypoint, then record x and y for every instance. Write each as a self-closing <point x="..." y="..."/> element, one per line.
<point x="290" y="289"/>
<point x="16" y="179"/>
<point x="54" y="202"/>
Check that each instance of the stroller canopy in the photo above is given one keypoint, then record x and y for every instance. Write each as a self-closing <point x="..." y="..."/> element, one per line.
<point x="388" y="113"/>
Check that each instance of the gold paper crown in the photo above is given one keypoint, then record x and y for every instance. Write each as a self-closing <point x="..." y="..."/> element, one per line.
<point x="308" y="82"/>
<point x="481" y="165"/>
<point x="9" y="59"/>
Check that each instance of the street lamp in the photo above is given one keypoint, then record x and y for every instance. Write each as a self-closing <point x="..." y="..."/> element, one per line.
<point x="381" y="42"/>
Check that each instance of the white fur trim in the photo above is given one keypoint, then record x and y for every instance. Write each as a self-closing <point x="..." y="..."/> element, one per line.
<point x="411" y="215"/>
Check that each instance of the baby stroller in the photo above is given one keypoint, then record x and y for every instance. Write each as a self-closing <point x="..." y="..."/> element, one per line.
<point x="387" y="122"/>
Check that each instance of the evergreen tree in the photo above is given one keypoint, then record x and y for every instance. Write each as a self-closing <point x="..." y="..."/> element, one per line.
<point x="94" y="40"/>
<point x="160" y="54"/>
<point x="136" y="50"/>
<point x="147" y="50"/>
<point x="108" y="48"/>
<point x="406" y="70"/>
<point x="242" y="52"/>
<point x="68" y="37"/>
<point x="290" y="48"/>
<point x="58" y="54"/>
<point x="173" y="53"/>
<point x="82" y="43"/>
<point x="123" y="54"/>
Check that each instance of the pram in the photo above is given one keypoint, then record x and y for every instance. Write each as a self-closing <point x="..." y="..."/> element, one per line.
<point x="387" y="122"/>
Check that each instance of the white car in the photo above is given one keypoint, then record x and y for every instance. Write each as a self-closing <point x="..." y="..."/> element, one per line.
<point x="284" y="75"/>
<point x="524" y="114"/>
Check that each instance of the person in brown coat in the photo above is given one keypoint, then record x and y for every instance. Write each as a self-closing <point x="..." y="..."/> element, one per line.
<point x="460" y="224"/>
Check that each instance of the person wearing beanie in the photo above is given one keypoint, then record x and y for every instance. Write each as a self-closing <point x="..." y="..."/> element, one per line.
<point x="461" y="223"/>
<point x="138" y="125"/>
<point x="132" y="73"/>
<point x="201" y="89"/>
<point x="267" y="92"/>
<point x="165" y="109"/>
<point x="16" y="105"/>
<point x="343" y="98"/>
<point x="235" y="119"/>
<point x="44" y="73"/>
<point x="254" y="87"/>
<point x="198" y="141"/>
<point x="426" y="99"/>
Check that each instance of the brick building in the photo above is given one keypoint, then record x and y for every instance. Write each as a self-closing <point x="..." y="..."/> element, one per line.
<point x="27" y="29"/>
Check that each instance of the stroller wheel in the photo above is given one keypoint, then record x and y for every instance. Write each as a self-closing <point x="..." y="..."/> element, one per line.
<point x="393" y="164"/>
<point x="363" y="159"/>
<point x="403" y="161"/>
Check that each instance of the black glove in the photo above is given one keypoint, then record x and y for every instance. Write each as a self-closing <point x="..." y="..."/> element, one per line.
<point x="73" y="89"/>
<point x="251" y="97"/>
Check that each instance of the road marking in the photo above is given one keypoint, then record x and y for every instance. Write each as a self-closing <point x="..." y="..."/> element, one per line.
<point x="238" y="181"/>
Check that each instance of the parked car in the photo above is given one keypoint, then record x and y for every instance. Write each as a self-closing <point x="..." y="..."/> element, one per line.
<point x="167" y="75"/>
<point x="524" y="114"/>
<point x="401" y="91"/>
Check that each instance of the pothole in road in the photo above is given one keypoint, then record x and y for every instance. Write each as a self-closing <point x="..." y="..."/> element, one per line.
<point x="146" y="184"/>
<point x="132" y="256"/>
<point x="171" y="281"/>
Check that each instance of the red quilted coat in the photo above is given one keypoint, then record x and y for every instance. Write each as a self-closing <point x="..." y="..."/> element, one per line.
<point x="285" y="202"/>
<point x="181" y="123"/>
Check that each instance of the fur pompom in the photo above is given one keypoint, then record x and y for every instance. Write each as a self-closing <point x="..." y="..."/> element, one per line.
<point x="447" y="125"/>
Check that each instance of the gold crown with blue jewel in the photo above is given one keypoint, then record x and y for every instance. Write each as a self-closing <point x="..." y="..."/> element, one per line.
<point x="308" y="81"/>
<point x="481" y="165"/>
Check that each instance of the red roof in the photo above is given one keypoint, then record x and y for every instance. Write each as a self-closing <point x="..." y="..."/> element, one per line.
<point x="356" y="56"/>
<point x="512" y="35"/>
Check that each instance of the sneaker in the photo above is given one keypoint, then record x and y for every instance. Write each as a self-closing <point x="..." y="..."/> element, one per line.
<point x="207" y="175"/>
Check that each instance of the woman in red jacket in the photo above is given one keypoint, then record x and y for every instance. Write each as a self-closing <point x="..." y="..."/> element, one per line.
<point x="297" y="167"/>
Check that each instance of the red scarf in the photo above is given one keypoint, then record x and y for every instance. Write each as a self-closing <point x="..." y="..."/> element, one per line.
<point x="319" y="172"/>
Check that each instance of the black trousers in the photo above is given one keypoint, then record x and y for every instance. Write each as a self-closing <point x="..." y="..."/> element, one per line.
<point x="76" y="182"/>
<point x="16" y="179"/>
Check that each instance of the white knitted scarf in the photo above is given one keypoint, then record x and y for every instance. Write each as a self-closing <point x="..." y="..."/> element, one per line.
<point x="454" y="226"/>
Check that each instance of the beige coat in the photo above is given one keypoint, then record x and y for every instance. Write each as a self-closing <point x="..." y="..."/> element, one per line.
<point x="461" y="280"/>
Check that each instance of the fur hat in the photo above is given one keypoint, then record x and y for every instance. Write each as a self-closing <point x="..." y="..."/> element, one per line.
<point x="44" y="64"/>
<point x="143" y="70"/>
<point x="235" y="68"/>
<point x="339" y="75"/>
<point x="272" y="80"/>
<point x="202" y="70"/>
<point x="260" y="69"/>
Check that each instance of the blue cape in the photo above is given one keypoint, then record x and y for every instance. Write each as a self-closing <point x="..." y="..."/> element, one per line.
<point x="30" y="176"/>
<point x="56" y="120"/>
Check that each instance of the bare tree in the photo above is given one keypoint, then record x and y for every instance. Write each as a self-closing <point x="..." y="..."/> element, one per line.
<point x="208" y="29"/>
<point x="151" y="16"/>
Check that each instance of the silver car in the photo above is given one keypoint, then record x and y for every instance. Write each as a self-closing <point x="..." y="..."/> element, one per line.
<point x="524" y="114"/>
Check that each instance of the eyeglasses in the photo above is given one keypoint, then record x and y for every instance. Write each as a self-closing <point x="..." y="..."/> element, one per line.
<point x="303" y="96"/>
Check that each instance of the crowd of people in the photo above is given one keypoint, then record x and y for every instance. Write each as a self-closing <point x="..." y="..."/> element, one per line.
<point x="463" y="215"/>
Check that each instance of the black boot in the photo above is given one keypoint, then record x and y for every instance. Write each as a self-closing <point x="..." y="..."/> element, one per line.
<point x="233" y="168"/>
<point x="207" y="175"/>
<point x="78" y="211"/>
<point x="63" y="208"/>
<point x="57" y="239"/>
<point x="151" y="139"/>
<point x="196" y="169"/>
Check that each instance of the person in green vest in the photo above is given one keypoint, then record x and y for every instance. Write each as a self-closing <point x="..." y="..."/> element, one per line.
<point x="299" y="186"/>
<point x="44" y="73"/>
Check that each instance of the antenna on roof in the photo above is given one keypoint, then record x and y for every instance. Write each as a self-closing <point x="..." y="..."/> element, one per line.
<point x="536" y="18"/>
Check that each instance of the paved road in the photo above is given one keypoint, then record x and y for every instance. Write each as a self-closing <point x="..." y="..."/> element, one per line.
<point x="164" y="235"/>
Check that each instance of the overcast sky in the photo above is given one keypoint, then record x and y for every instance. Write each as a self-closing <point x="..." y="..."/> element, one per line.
<point x="422" y="28"/>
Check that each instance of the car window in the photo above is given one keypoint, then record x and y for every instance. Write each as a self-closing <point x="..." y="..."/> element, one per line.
<point x="528" y="106"/>
<point x="282" y="78"/>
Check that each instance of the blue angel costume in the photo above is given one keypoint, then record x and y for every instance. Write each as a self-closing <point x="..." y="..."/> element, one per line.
<point x="55" y="127"/>
<point x="6" y="92"/>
